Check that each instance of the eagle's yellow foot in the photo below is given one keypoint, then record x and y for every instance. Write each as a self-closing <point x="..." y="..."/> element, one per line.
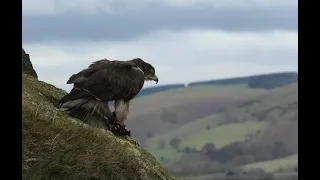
<point x="132" y="141"/>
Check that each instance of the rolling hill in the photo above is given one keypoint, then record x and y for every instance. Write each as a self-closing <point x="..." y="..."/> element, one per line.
<point x="231" y="117"/>
<point x="173" y="109"/>
<point x="263" y="81"/>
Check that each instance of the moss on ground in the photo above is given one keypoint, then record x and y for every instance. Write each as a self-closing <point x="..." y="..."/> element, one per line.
<point x="56" y="146"/>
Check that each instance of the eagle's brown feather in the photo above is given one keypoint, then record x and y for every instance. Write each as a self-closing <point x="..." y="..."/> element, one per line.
<point x="105" y="81"/>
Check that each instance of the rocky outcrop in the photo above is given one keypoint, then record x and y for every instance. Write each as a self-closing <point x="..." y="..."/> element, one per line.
<point x="27" y="65"/>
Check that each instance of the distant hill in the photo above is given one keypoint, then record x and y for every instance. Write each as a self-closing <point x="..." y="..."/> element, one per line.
<point x="261" y="132"/>
<point x="152" y="90"/>
<point x="261" y="81"/>
<point x="173" y="108"/>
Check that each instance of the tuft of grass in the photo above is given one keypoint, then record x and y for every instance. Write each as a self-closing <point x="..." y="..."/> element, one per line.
<point x="56" y="146"/>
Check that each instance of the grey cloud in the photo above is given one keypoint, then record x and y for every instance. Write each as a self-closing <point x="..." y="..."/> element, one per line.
<point x="133" y="24"/>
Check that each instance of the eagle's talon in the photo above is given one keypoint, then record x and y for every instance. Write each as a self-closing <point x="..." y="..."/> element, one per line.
<point x="129" y="133"/>
<point x="113" y="120"/>
<point x="116" y="128"/>
<point x="124" y="132"/>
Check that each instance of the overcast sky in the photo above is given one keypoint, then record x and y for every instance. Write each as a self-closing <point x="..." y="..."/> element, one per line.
<point x="186" y="40"/>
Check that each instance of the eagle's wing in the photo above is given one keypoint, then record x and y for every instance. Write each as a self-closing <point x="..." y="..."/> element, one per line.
<point x="96" y="66"/>
<point x="107" y="81"/>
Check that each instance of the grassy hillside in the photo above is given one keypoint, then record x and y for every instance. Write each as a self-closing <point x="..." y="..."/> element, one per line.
<point x="286" y="132"/>
<point x="224" y="134"/>
<point x="220" y="136"/>
<point x="173" y="109"/>
<point x="55" y="146"/>
<point x="272" y="114"/>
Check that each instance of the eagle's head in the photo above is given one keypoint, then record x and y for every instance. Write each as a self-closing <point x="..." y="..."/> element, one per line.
<point x="148" y="70"/>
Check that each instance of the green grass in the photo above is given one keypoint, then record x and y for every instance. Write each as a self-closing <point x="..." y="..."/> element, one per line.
<point x="186" y="130"/>
<point x="195" y="134"/>
<point x="184" y="95"/>
<point x="224" y="134"/>
<point x="182" y="133"/>
<point x="55" y="146"/>
<point x="199" y="136"/>
<point x="274" y="165"/>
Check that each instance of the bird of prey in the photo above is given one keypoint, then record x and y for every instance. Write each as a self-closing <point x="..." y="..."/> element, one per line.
<point x="105" y="81"/>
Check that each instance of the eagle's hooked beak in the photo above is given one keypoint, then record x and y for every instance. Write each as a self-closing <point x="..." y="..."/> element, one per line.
<point x="156" y="79"/>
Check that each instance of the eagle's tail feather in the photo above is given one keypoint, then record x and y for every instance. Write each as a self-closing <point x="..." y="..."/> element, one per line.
<point x="69" y="105"/>
<point x="87" y="109"/>
<point x="81" y="104"/>
<point x="75" y="94"/>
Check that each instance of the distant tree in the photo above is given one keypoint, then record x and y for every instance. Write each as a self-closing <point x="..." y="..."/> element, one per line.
<point x="169" y="116"/>
<point x="208" y="127"/>
<point x="175" y="142"/>
<point x="263" y="154"/>
<point x="187" y="150"/>
<point x="209" y="148"/>
<point x="253" y="149"/>
<point x="279" y="150"/>
<point x="272" y="117"/>
<point x="242" y="160"/>
<point x="230" y="173"/>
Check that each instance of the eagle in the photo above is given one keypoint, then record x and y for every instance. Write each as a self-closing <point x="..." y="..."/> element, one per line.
<point x="104" y="81"/>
